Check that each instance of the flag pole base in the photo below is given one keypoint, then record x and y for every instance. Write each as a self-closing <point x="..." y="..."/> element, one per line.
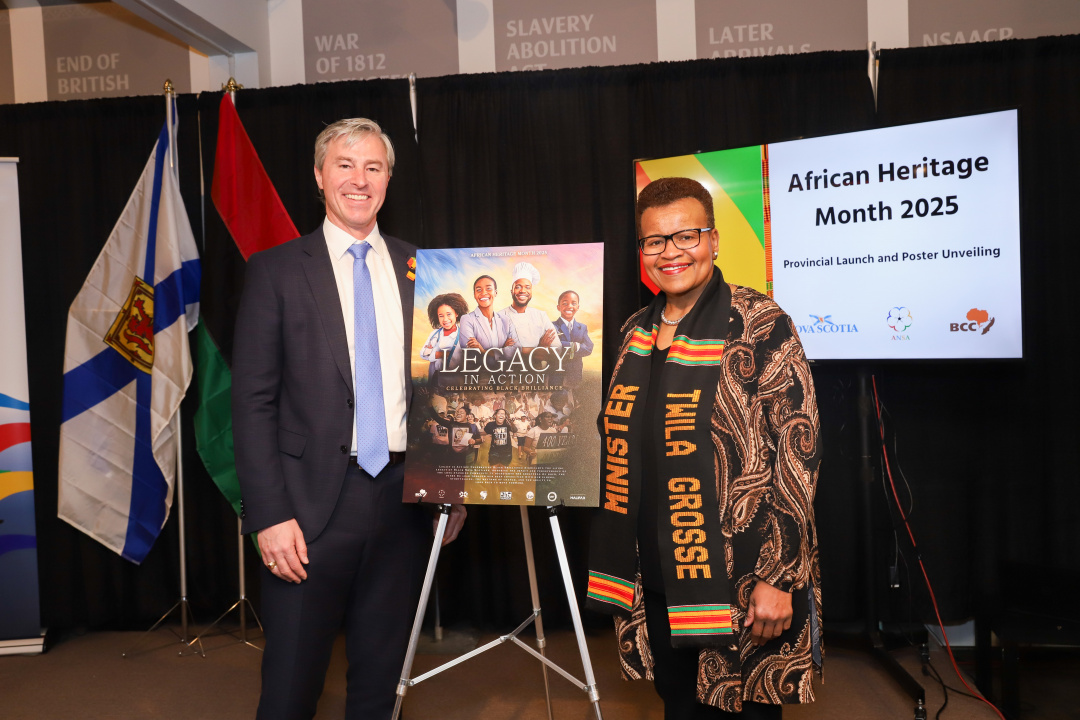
<point x="242" y="607"/>
<point x="184" y="609"/>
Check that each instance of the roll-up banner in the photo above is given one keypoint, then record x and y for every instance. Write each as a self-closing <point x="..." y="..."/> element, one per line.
<point x="20" y="619"/>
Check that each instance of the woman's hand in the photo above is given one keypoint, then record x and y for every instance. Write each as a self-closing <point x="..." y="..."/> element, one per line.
<point x="769" y="613"/>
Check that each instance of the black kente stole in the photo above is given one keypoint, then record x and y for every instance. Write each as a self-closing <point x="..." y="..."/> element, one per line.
<point x="690" y="540"/>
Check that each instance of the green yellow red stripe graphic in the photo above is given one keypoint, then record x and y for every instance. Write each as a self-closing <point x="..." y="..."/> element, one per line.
<point x="610" y="589"/>
<point x="735" y="179"/>
<point x="700" y="620"/>
<point x="695" y="352"/>
<point x="766" y="219"/>
<point x="641" y="342"/>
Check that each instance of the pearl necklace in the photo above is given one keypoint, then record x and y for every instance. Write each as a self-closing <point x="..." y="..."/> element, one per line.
<point x="663" y="318"/>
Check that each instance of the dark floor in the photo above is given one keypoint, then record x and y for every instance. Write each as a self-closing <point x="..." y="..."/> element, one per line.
<point x="86" y="677"/>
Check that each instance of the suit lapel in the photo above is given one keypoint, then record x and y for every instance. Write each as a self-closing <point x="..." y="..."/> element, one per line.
<point x="323" y="284"/>
<point x="562" y="329"/>
<point x="400" y="254"/>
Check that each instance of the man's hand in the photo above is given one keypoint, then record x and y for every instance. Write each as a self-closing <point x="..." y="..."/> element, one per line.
<point x="769" y="613"/>
<point x="453" y="523"/>
<point x="284" y="550"/>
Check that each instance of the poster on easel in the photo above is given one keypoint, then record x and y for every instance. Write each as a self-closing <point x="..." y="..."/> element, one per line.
<point x="506" y="372"/>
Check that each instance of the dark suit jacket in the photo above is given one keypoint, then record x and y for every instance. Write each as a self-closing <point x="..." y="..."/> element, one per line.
<point x="292" y="389"/>
<point x="579" y="335"/>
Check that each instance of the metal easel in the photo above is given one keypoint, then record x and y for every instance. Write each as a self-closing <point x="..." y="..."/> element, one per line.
<point x="588" y="687"/>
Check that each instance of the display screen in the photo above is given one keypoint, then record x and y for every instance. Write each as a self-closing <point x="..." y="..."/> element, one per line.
<point x="894" y="243"/>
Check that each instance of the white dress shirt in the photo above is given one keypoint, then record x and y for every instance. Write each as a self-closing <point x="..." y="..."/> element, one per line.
<point x="389" y="321"/>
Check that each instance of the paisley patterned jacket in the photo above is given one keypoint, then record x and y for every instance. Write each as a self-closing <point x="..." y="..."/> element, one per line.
<point x="765" y="434"/>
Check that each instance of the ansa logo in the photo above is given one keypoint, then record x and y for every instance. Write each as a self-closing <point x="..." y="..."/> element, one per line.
<point x="900" y="320"/>
<point x="825" y="324"/>
<point x="976" y="320"/>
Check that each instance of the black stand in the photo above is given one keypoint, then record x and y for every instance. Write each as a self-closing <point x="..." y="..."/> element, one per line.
<point x="871" y="639"/>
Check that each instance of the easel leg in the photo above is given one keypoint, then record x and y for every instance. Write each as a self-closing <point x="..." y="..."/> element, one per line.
<point x="414" y="638"/>
<point x="541" y="642"/>
<point x="575" y="613"/>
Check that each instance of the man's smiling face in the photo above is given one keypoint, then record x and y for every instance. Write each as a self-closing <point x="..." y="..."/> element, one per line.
<point x="522" y="293"/>
<point x="353" y="180"/>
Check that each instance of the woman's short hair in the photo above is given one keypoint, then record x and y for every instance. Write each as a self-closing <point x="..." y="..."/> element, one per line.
<point x="353" y="130"/>
<point x="663" y="192"/>
<point x="455" y="301"/>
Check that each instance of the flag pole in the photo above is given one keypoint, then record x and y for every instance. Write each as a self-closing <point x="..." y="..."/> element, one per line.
<point x="412" y="104"/>
<point x="242" y="604"/>
<point x="231" y="87"/>
<point x="182" y="604"/>
<point x="170" y="121"/>
<point x="185" y="609"/>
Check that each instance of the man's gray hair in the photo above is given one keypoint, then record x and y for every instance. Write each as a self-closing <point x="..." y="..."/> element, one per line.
<point x="353" y="130"/>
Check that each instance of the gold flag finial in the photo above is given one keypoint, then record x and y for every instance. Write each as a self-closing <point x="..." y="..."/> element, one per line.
<point x="232" y="86"/>
<point x="169" y="87"/>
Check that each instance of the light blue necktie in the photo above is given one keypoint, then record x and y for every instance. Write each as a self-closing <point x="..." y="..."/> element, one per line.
<point x="372" y="448"/>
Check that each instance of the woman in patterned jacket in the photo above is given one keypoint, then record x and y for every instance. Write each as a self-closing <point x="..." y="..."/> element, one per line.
<point x="711" y="444"/>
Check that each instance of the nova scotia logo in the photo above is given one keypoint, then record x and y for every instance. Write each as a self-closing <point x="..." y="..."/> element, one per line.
<point x="825" y="324"/>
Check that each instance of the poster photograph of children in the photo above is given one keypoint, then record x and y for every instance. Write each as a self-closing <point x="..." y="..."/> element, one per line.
<point x="506" y="368"/>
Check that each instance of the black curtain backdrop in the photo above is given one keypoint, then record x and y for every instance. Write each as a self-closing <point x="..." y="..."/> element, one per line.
<point x="508" y="159"/>
<point x="523" y="158"/>
<point x="990" y="448"/>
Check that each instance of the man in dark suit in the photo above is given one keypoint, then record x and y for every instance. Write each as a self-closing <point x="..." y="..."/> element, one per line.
<point x="574" y="334"/>
<point x="320" y="395"/>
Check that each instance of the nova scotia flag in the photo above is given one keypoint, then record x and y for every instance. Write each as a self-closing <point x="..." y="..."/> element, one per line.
<point x="127" y="367"/>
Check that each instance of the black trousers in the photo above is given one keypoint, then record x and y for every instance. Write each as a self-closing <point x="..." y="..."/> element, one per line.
<point x="365" y="574"/>
<point x="676" y="672"/>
